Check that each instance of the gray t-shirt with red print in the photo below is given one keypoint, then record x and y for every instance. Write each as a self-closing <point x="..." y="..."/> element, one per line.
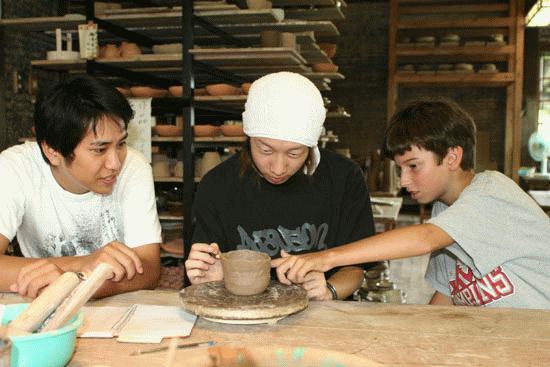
<point x="501" y="254"/>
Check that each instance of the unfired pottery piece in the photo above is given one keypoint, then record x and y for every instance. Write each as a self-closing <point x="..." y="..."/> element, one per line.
<point x="232" y="130"/>
<point x="246" y="272"/>
<point x="325" y="67"/>
<point x="129" y="49"/>
<point x="222" y="90"/>
<point x="329" y="48"/>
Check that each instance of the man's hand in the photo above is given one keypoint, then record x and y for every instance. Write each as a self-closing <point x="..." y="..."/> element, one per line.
<point x="203" y="263"/>
<point x="34" y="278"/>
<point x="124" y="260"/>
<point x="316" y="286"/>
<point x="293" y="268"/>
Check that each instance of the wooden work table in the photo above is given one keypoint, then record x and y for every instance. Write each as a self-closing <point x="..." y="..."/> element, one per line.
<point x="391" y="335"/>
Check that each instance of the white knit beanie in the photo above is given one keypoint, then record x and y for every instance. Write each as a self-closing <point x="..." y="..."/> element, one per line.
<point x="285" y="106"/>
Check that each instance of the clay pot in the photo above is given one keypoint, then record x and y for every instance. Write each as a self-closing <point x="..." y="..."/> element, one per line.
<point x="270" y="39"/>
<point x="178" y="169"/>
<point x="222" y="90"/>
<point x="129" y="49"/>
<point x="246" y="272"/>
<point x="109" y="51"/>
<point x="176" y="90"/>
<point x="169" y="48"/>
<point x="146" y="92"/>
<point x="328" y="48"/>
<point x="232" y="130"/>
<point x="288" y="40"/>
<point x="245" y="87"/>
<point x="161" y="168"/>
<point x="167" y="130"/>
<point x="258" y="4"/>
<point x="325" y="67"/>
<point x="209" y="160"/>
<point x="206" y="130"/>
<point x="200" y="92"/>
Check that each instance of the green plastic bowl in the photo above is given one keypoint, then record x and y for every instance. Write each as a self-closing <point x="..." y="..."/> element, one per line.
<point x="51" y="349"/>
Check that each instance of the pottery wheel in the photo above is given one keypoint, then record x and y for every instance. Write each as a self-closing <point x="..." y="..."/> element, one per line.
<point x="212" y="301"/>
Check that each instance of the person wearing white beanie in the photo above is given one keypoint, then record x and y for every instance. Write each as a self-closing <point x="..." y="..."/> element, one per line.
<point x="282" y="194"/>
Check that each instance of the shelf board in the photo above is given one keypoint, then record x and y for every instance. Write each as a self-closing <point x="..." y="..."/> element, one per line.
<point x="170" y="217"/>
<point x="497" y="22"/>
<point x="248" y="56"/>
<point x="453" y="8"/>
<point x="454" y="51"/>
<point x="221" y="139"/>
<point x="287" y="3"/>
<point x="325" y="13"/>
<point x="459" y="79"/>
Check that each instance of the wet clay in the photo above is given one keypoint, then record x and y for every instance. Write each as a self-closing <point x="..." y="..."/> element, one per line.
<point x="246" y="272"/>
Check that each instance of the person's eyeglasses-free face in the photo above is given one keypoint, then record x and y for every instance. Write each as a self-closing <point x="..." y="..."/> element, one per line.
<point x="97" y="162"/>
<point x="421" y="175"/>
<point x="277" y="160"/>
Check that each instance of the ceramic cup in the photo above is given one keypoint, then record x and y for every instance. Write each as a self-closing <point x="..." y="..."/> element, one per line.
<point x="246" y="272"/>
<point x="5" y="351"/>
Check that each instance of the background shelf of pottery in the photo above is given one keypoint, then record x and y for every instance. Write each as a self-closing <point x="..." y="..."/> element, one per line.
<point x="460" y="44"/>
<point x="310" y="21"/>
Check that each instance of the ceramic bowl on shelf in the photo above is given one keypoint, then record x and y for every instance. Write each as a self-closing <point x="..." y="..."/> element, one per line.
<point x="169" y="48"/>
<point x="222" y="90"/>
<point x="148" y="92"/>
<point x="425" y="39"/>
<point x="63" y="55"/>
<point x="200" y="92"/>
<point x="245" y="87"/>
<point x="124" y="91"/>
<point x="328" y="48"/>
<point x="206" y="130"/>
<point x="232" y="130"/>
<point x="176" y="90"/>
<point x="129" y="49"/>
<point x="109" y="51"/>
<point x="167" y="130"/>
<point x="325" y="67"/>
<point x="258" y="4"/>
<point x="464" y="67"/>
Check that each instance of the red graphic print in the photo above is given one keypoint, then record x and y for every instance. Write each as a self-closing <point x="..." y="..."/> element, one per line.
<point x="468" y="290"/>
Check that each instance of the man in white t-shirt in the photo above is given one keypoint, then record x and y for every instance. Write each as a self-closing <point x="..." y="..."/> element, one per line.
<point x="78" y="196"/>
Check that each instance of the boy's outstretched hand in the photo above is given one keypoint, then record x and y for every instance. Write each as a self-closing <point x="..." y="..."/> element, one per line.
<point x="294" y="268"/>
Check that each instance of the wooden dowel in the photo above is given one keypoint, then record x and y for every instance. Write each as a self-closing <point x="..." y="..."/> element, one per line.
<point x="34" y="315"/>
<point x="80" y="296"/>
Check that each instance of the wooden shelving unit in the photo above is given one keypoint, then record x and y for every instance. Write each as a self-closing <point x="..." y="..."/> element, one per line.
<point x="472" y="20"/>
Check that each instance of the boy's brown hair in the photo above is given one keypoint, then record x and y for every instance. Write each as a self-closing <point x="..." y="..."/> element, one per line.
<point x="433" y="125"/>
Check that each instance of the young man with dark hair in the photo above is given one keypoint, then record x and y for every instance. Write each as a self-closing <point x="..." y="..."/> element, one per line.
<point x="488" y="240"/>
<point x="78" y="196"/>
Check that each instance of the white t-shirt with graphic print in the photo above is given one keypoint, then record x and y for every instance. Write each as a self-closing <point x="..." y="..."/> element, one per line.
<point x="51" y="222"/>
<point x="501" y="254"/>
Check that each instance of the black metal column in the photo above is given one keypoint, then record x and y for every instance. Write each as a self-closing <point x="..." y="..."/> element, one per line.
<point x="188" y="83"/>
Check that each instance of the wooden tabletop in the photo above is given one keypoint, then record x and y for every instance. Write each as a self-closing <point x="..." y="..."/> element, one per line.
<point x="388" y="334"/>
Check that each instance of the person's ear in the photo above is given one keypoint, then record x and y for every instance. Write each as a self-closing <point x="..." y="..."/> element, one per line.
<point x="454" y="157"/>
<point x="53" y="155"/>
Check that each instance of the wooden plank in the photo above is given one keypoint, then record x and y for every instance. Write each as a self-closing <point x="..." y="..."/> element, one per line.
<point x="393" y="87"/>
<point x="328" y="13"/>
<point x="455" y="51"/>
<point x="291" y="3"/>
<point x="396" y="335"/>
<point x="455" y="8"/>
<point x="472" y="79"/>
<point x="68" y="22"/>
<point x="249" y="56"/>
<point x="322" y="28"/>
<point x="455" y="23"/>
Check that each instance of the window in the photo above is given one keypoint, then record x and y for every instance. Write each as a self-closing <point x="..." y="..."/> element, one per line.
<point x="544" y="95"/>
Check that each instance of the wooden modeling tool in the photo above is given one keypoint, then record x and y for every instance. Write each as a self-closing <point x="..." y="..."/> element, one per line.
<point x="79" y="297"/>
<point x="34" y="315"/>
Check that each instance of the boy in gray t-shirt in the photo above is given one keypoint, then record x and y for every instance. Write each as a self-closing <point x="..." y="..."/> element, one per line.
<point x="489" y="241"/>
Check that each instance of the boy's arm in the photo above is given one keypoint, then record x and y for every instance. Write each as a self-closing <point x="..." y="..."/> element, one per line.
<point x="347" y="280"/>
<point x="399" y="243"/>
<point x="440" y="299"/>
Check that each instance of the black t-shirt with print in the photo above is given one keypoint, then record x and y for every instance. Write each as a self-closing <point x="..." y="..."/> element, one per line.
<point x="305" y="214"/>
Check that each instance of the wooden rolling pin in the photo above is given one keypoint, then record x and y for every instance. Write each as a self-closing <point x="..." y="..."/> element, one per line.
<point x="34" y="315"/>
<point x="79" y="297"/>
